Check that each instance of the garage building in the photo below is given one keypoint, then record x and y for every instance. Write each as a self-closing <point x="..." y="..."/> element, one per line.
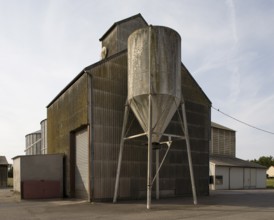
<point x="226" y="170"/>
<point x="234" y="173"/>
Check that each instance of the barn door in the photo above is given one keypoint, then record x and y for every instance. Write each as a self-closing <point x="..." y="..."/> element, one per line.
<point x="247" y="178"/>
<point x="82" y="165"/>
<point x="253" y="178"/>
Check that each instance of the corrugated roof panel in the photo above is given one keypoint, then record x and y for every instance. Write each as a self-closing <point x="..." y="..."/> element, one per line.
<point x="233" y="162"/>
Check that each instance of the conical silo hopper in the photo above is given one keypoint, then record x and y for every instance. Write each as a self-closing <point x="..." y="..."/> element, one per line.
<point x="154" y="69"/>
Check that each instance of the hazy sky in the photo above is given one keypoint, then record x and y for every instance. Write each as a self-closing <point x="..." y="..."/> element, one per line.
<point x="228" y="46"/>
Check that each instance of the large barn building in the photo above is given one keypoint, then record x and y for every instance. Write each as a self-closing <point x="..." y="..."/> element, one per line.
<point x="84" y="122"/>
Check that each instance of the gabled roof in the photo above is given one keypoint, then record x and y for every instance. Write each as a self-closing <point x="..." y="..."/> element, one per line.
<point x="121" y="21"/>
<point x="233" y="162"/>
<point x="198" y="86"/>
<point x="215" y="125"/>
<point x="3" y="160"/>
<point x="86" y="69"/>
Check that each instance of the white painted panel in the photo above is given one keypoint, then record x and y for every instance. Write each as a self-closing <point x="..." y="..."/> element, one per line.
<point x="81" y="168"/>
<point x="247" y="178"/>
<point x="261" y="178"/>
<point x="236" y="178"/>
<point x="253" y="178"/>
<point x="17" y="174"/>
<point x="224" y="172"/>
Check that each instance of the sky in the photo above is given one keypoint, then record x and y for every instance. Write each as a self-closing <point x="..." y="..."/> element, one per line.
<point x="227" y="45"/>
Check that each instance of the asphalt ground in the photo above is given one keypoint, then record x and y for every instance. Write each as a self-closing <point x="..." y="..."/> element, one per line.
<point x="224" y="204"/>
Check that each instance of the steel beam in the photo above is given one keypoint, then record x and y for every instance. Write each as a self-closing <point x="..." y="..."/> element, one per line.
<point x="122" y="141"/>
<point x="185" y="128"/>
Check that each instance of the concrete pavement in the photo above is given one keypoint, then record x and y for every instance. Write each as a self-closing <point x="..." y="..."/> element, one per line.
<point x="233" y="204"/>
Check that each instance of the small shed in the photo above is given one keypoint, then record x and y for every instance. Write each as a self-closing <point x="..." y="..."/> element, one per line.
<point x="38" y="176"/>
<point x="235" y="173"/>
<point x="3" y="171"/>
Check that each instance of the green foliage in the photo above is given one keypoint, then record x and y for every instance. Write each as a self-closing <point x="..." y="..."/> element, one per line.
<point x="270" y="183"/>
<point x="264" y="161"/>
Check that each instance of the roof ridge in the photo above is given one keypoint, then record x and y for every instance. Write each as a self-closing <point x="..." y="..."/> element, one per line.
<point x="121" y="21"/>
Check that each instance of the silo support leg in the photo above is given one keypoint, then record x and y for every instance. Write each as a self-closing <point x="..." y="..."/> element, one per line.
<point x="157" y="175"/>
<point x="149" y="153"/>
<point x="185" y="128"/>
<point x="122" y="141"/>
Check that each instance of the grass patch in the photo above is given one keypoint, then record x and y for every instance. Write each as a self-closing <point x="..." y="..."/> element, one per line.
<point x="270" y="183"/>
<point x="10" y="182"/>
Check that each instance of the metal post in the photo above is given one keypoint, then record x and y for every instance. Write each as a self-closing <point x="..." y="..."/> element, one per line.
<point x="120" y="153"/>
<point x="163" y="160"/>
<point x="189" y="155"/>
<point x="149" y="152"/>
<point x="157" y="175"/>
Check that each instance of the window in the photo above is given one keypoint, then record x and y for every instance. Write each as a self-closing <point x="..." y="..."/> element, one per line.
<point x="218" y="180"/>
<point x="211" y="179"/>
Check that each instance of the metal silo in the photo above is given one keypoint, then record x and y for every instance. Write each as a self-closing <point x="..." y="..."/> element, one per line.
<point x="154" y="95"/>
<point x="33" y="143"/>
<point x="44" y="146"/>
<point x="154" y="69"/>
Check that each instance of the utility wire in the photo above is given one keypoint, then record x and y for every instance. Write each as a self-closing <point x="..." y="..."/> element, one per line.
<point x="218" y="110"/>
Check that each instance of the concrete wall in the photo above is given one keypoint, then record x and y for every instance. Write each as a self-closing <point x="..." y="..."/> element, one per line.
<point x="37" y="168"/>
<point x="17" y="174"/>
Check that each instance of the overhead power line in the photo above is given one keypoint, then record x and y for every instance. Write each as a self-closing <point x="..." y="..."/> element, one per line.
<point x="240" y="121"/>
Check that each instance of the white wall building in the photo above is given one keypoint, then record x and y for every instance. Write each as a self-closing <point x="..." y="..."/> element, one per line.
<point x="234" y="173"/>
<point x="270" y="172"/>
<point x="225" y="170"/>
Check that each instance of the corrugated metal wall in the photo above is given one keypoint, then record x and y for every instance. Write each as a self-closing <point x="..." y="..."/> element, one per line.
<point x="109" y="92"/>
<point x="33" y="143"/>
<point x="66" y="114"/>
<point x="82" y="165"/>
<point x="223" y="142"/>
<point x="108" y="95"/>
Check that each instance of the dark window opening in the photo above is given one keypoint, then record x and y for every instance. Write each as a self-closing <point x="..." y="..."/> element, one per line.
<point x="219" y="180"/>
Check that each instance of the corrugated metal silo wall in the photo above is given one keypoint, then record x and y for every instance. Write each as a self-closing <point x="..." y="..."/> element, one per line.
<point x="109" y="83"/>
<point x="64" y="115"/>
<point x="198" y="110"/>
<point x="33" y="145"/>
<point x="110" y="42"/>
<point x="223" y="142"/>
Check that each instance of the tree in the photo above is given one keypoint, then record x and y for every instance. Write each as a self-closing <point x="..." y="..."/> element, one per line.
<point x="266" y="161"/>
